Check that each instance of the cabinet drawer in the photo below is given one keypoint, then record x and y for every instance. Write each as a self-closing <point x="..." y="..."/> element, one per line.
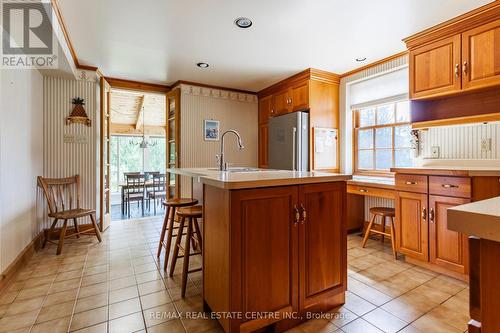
<point x="450" y="186"/>
<point x="411" y="183"/>
<point x="371" y="191"/>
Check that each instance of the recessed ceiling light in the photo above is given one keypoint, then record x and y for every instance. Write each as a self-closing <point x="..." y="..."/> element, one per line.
<point x="361" y="59"/>
<point x="202" y="65"/>
<point x="243" y="22"/>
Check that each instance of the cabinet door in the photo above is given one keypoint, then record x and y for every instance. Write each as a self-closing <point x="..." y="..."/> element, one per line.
<point x="481" y="56"/>
<point x="485" y="188"/>
<point x="411" y="225"/>
<point x="265" y="109"/>
<point x="263" y="145"/>
<point x="264" y="275"/>
<point x="300" y="96"/>
<point x="322" y="243"/>
<point x="435" y="68"/>
<point x="448" y="248"/>
<point x="281" y="102"/>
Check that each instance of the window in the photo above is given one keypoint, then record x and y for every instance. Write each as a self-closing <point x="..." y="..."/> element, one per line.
<point x="126" y="157"/>
<point x="382" y="136"/>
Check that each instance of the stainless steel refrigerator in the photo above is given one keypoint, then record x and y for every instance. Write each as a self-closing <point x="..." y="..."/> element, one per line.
<point x="289" y="142"/>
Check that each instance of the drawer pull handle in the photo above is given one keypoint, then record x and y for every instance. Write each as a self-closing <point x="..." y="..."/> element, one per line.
<point x="449" y="186"/>
<point x="363" y="190"/>
<point x="304" y="214"/>
<point x="297" y="215"/>
<point x="431" y="215"/>
<point x="424" y="214"/>
<point x="457" y="70"/>
<point x="411" y="183"/>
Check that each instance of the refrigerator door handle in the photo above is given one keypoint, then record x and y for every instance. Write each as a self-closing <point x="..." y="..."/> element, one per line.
<point x="294" y="152"/>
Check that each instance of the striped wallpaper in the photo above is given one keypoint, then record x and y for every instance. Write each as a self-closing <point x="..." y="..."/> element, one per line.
<point x="62" y="159"/>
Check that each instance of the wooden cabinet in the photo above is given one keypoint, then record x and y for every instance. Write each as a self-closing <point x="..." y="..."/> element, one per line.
<point x="456" y="56"/>
<point x="412" y="235"/>
<point x="312" y="90"/>
<point x="485" y="188"/>
<point x="322" y="220"/>
<point x="435" y="68"/>
<point x="447" y="248"/>
<point x="263" y="145"/>
<point x="481" y="56"/>
<point x="280" y="250"/>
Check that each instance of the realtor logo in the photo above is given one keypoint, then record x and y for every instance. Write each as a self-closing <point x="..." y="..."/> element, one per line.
<point x="27" y="35"/>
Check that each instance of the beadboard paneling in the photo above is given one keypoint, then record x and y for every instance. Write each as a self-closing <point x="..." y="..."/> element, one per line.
<point x="461" y="142"/>
<point x="67" y="159"/>
<point x="376" y="202"/>
<point x="234" y="111"/>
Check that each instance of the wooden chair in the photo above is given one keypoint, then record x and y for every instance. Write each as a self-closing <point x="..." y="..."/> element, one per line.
<point x="383" y="212"/>
<point x="135" y="191"/>
<point x="63" y="199"/>
<point x="188" y="217"/>
<point x="158" y="190"/>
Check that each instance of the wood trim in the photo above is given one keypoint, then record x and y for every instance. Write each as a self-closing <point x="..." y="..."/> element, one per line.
<point x="124" y="129"/>
<point x="469" y="20"/>
<point x="457" y="121"/>
<point x="136" y="85"/>
<point x="373" y="64"/>
<point x="198" y="84"/>
<point x="20" y="261"/>
<point x="308" y="74"/>
<point x="431" y="172"/>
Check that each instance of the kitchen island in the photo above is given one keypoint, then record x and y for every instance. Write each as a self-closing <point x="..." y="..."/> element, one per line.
<point x="274" y="245"/>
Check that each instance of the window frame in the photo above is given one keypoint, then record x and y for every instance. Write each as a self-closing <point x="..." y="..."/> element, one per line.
<point x="355" y="116"/>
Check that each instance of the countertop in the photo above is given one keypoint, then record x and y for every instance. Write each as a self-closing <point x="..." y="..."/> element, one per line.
<point x="465" y="171"/>
<point x="254" y="179"/>
<point x="480" y="219"/>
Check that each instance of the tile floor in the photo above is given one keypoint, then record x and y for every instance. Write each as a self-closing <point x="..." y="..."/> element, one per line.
<point x="117" y="286"/>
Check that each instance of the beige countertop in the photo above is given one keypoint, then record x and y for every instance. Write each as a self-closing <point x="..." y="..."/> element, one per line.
<point x="466" y="171"/>
<point x="254" y="179"/>
<point x="480" y="219"/>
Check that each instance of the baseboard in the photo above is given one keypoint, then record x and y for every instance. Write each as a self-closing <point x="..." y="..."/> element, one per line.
<point x="26" y="254"/>
<point x="20" y="260"/>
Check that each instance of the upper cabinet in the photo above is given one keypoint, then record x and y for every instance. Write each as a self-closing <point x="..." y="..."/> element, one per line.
<point x="312" y="90"/>
<point x="456" y="56"/>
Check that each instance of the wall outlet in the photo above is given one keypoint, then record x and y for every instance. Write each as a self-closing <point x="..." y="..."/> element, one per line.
<point x="435" y="151"/>
<point x="486" y="145"/>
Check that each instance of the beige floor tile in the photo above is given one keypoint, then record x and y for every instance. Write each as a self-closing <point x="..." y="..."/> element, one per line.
<point x="124" y="308"/>
<point x="148" y="276"/>
<point x="22" y="320"/>
<point x="33" y="292"/>
<point x="357" y="305"/>
<point x="172" y="326"/>
<point x="37" y="282"/>
<point x="317" y="326"/>
<point x="384" y="321"/>
<point x="446" y="284"/>
<point x="366" y="292"/>
<point x="411" y="329"/>
<point x="360" y="326"/>
<point x="130" y="323"/>
<point x="160" y="314"/>
<point x="451" y="316"/>
<point x="151" y="287"/>
<point x="55" y="311"/>
<point x="95" y="289"/>
<point x="8" y="297"/>
<point x="123" y="294"/>
<point x="58" y="287"/>
<point x="409" y="307"/>
<point x="431" y="294"/>
<point x="18" y="307"/>
<point x="61" y="297"/>
<point x="430" y="323"/>
<point x="89" y="280"/>
<point x="60" y="325"/>
<point x="155" y="299"/>
<point x="342" y="316"/>
<point x="68" y="275"/>
<point x="121" y="283"/>
<point x="89" y="318"/>
<point x="95" y="270"/>
<point x="99" y="328"/>
<point x="91" y="302"/>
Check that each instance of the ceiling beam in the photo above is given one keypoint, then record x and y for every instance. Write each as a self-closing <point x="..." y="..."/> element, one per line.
<point x="124" y="129"/>
<point x="140" y="113"/>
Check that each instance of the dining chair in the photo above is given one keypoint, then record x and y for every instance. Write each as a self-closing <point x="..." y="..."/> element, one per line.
<point x="134" y="191"/>
<point x="149" y="174"/>
<point x="157" y="191"/>
<point x="63" y="200"/>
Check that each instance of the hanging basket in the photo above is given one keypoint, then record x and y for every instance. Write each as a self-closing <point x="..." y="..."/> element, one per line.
<point x="78" y="115"/>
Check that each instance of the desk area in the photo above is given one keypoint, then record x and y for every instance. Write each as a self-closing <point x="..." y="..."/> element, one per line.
<point x="360" y="187"/>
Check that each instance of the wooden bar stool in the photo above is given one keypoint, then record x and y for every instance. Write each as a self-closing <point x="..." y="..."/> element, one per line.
<point x="383" y="212"/>
<point x="188" y="217"/>
<point x="168" y="228"/>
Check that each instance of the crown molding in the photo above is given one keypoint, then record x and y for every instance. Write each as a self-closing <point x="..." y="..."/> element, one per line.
<point x="136" y="85"/>
<point x="196" y="90"/>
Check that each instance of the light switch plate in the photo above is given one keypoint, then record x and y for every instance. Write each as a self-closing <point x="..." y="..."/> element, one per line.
<point x="486" y="145"/>
<point x="435" y="152"/>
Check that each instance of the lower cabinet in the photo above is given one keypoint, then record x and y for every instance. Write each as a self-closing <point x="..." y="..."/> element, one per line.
<point x="412" y="233"/>
<point x="288" y="252"/>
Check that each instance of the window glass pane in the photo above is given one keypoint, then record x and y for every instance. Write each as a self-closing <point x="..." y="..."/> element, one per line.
<point x="402" y="137"/>
<point x="385" y="114"/>
<point x="383" y="137"/>
<point x="365" y="139"/>
<point x="402" y="158"/>
<point x="365" y="159"/>
<point x="383" y="159"/>
<point x="157" y="155"/>
<point x="131" y="155"/>
<point x="366" y="117"/>
<point x="113" y="161"/>
<point x="403" y="112"/>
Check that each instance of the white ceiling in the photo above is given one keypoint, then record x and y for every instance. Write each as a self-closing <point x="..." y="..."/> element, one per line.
<point x="160" y="41"/>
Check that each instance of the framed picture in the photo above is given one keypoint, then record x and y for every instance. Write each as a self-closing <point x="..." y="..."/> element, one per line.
<point x="211" y="130"/>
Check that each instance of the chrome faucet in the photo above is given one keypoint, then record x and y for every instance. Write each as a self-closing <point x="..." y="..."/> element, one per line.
<point x="220" y="156"/>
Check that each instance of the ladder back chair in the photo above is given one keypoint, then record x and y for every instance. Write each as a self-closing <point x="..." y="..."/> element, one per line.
<point x="135" y="191"/>
<point x="158" y="190"/>
<point x="63" y="200"/>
